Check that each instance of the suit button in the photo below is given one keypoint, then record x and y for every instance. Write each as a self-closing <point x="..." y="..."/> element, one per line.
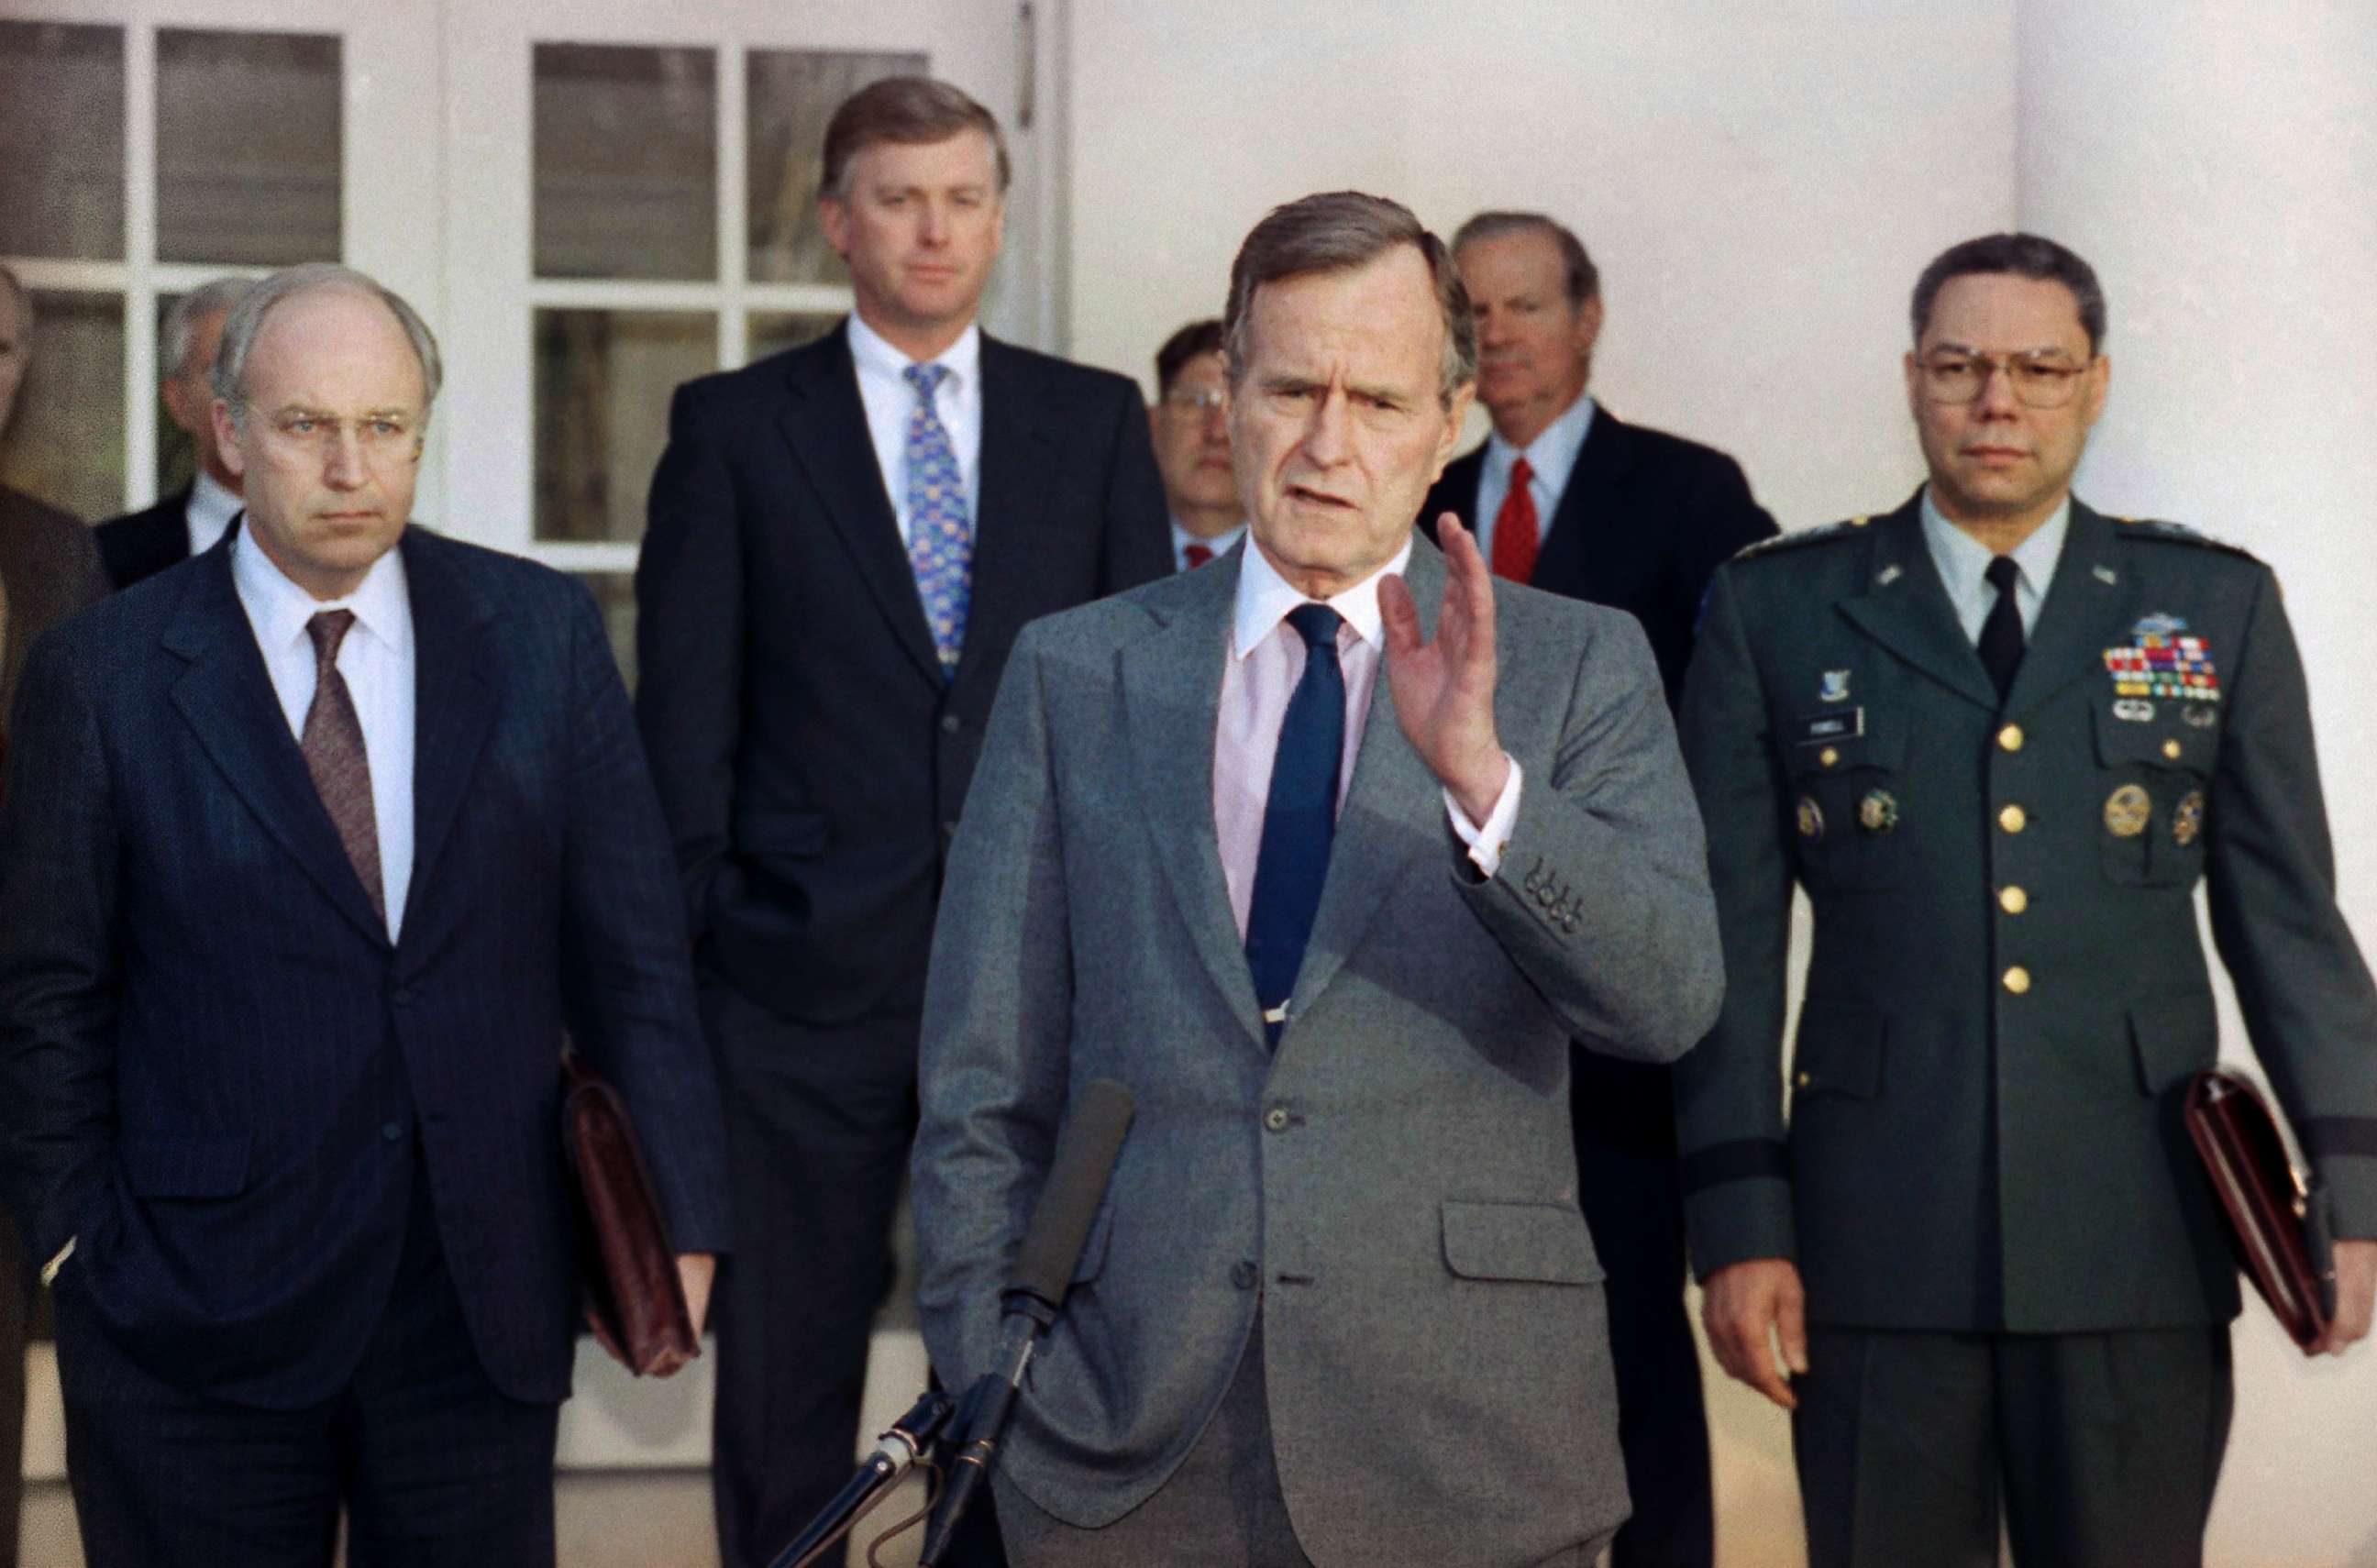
<point x="392" y="1130"/>
<point x="1243" y="1273"/>
<point x="1277" y="1118"/>
<point x="2010" y="739"/>
<point x="2013" y="818"/>
<point x="2013" y="901"/>
<point x="405" y="996"/>
<point x="2017" y="979"/>
<point x="951" y="723"/>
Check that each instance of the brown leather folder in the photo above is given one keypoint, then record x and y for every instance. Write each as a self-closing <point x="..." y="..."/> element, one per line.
<point x="633" y="1292"/>
<point x="2278" y="1222"/>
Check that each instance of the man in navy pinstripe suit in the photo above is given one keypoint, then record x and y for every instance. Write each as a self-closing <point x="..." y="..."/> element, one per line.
<point x="312" y="847"/>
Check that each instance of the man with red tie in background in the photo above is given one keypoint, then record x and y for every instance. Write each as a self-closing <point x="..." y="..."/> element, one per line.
<point x="1191" y="423"/>
<point x="1567" y="497"/>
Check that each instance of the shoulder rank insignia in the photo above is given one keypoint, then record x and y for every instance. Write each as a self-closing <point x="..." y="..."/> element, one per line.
<point x="2179" y="533"/>
<point x="1795" y="537"/>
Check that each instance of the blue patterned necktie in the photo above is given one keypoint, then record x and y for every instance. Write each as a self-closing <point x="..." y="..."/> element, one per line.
<point x="940" y="535"/>
<point x="1300" y="817"/>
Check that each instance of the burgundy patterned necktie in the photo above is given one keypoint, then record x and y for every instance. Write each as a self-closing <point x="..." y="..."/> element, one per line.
<point x="333" y="744"/>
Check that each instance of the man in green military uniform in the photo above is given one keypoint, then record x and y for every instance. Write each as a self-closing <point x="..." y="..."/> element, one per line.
<point x="1999" y="739"/>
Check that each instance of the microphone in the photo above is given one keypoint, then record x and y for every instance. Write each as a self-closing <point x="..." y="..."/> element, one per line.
<point x="895" y="1452"/>
<point x="1086" y="1151"/>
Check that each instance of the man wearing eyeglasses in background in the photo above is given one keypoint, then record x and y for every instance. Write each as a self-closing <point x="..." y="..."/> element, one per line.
<point x="1999" y="739"/>
<point x="1191" y="427"/>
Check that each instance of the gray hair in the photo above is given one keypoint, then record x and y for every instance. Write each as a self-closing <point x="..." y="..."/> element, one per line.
<point x="182" y="320"/>
<point x="245" y="322"/>
<point x="2022" y="255"/>
<point x="1582" y="277"/>
<point x="1337" y="232"/>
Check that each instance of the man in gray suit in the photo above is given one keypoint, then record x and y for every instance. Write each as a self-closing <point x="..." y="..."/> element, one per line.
<point x="1341" y="1306"/>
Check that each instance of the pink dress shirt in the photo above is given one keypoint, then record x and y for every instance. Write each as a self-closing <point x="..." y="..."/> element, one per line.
<point x="1266" y="660"/>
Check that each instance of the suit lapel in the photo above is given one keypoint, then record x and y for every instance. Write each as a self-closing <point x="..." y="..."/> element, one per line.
<point x="1016" y="451"/>
<point x="1576" y="542"/>
<point x="1905" y="609"/>
<point x="826" y="425"/>
<point x="454" y="700"/>
<point x="2087" y="608"/>
<point x="1393" y="793"/>
<point x="227" y="697"/>
<point x="1171" y="701"/>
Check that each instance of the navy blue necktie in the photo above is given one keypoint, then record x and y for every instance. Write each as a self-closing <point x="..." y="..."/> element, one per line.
<point x="1299" y="819"/>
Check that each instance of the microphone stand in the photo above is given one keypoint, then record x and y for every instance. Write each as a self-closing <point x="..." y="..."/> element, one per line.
<point x="895" y="1452"/>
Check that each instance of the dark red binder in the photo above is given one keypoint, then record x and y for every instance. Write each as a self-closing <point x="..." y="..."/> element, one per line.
<point x="633" y="1292"/>
<point x="2276" y="1221"/>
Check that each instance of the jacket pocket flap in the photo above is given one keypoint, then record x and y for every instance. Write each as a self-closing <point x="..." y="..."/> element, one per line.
<point x="1546" y="1242"/>
<point x="166" y="1164"/>
<point x="1839" y="1052"/>
<point x="2175" y="1037"/>
<point x="2163" y="741"/>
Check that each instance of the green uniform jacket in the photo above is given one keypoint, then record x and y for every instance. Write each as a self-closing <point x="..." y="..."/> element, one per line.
<point x="2007" y="991"/>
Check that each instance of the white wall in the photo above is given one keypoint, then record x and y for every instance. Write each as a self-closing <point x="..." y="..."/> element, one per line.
<point x="1761" y="186"/>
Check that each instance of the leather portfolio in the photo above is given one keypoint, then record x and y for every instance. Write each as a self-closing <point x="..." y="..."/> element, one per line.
<point x="633" y="1292"/>
<point x="2278" y="1222"/>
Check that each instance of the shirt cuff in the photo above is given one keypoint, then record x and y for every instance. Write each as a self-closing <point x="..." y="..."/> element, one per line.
<point x="1488" y="842"/>
<point x="50" y="1269"/>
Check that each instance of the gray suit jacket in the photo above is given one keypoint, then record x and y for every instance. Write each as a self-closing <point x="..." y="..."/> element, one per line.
<point x="1394" y="1189"/>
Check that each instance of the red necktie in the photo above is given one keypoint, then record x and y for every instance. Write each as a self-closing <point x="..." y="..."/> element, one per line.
<point x="332" y="742"/>
<point x="1516" y="533"/>
<point x="1196" y="556"/>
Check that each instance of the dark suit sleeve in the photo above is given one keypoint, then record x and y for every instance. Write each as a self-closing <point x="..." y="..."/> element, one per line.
<point x="689" y="646"/>
<point x="1729" y="1090"/>
<point x="1138" y="546"/>
<point x="2270" y="868"/>
<point x="1727" y="519"/>
<point x="996" y="1046"/>
<point x="628" y="972"/>
<point x="1602" y="899"/>
<point x="59" y="951"/>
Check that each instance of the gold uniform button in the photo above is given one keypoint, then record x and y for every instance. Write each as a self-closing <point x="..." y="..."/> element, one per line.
<point x="1829" y="757"/>
<point x="1805" y="1078"/>
<point x="2017" y="979"/>
<point x="2010" y="739"/>
<point x="2013" y="818"/>
<point x="2013" y="901"/>
<point x="2170" y="748"/>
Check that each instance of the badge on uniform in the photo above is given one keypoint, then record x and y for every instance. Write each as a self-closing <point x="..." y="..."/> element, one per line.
<point x="2127" y="811"/>
<point x="1836" y="686"/>
<point x="1811" y="818"/>
<point x="2187" y="821"/>
<point x="1878" y="812"/>
<point x="2160" y="661"/>
<point x="2137" y="710"/>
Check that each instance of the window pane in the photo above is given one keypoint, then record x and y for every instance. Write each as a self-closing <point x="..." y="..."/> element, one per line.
<point x="774" y="332"/>
<point x="248" y="148"/>
<point x="614" y="595"/>
<point x="61" y="140"/>
<point x="66" y="442"/>
<point x="627" y="161"/>
<point x="791" y="95"/>
<point x="603" y="384"/>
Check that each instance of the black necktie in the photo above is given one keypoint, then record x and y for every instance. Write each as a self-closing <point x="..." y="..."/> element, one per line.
<point x="1300" y="817"/>
<point x="2002" y="633"/>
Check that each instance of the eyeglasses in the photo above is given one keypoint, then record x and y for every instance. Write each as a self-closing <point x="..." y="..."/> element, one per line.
<point x="2044" y="379"/>
<point x="1189" y="400"/>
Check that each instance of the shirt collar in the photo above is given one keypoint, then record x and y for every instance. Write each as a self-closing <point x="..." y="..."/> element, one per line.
<point x="1219" y="544"/>
<point x="876" y="356"/>
<point x="279" y="609"/>
<point x="1265" y="597"/>
<point x="210" y="508"/>
<point x="1552" y="453"/>
<point x="1964" y="561"/>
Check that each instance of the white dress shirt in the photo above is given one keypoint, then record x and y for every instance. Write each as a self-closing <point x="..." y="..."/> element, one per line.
<point x="1220" y="543"/>
<point x="1964" y="563"/>
<point x="209" y="513"/>
<point x="883" y="388"/>
<point x="1551" y="456"/>
<point x="1266" y="660"/>
<point x="375" y="659"/>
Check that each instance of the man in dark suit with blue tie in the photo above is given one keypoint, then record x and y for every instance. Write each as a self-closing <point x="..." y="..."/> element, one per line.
<point x="1566" y="497"/>
<point x="844" y="541"/>
<point x="314" y="845"/>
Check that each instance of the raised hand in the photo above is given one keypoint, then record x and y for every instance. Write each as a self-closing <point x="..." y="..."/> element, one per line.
<point x="1444" y="689"/>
